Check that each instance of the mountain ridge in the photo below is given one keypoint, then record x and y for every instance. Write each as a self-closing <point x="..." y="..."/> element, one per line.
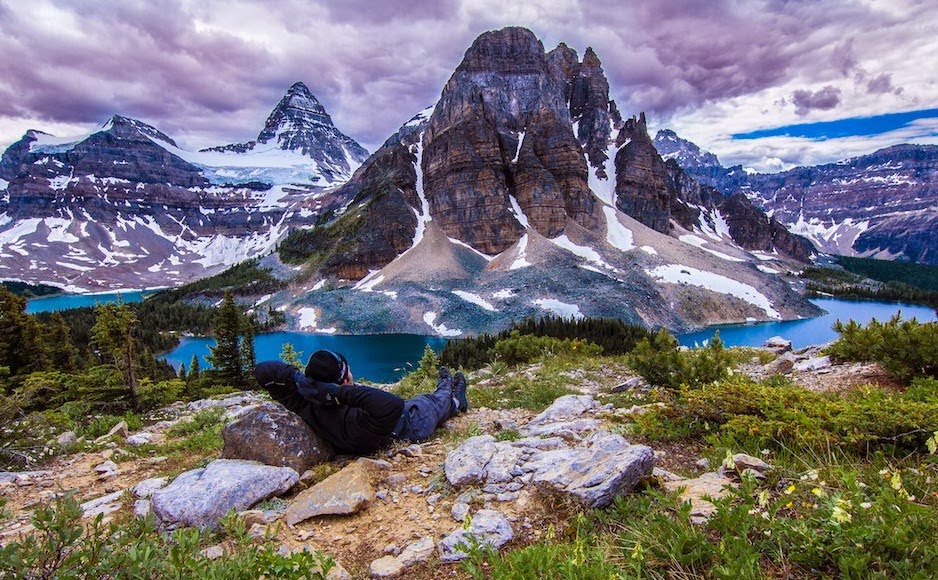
<point x="883" y="204"/>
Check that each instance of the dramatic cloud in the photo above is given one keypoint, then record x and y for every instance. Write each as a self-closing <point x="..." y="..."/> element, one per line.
<point x="824" y="99"/>
<point x="209" y="71"/>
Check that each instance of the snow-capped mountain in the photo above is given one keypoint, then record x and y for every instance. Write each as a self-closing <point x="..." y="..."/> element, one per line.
<point x="299" y="124"/>
<point x="523" y="192"/>
<point x="883" y="205"/>
<point x="125" y="207"/>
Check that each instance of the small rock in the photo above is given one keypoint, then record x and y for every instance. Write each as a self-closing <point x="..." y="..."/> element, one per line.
<point x="780" y="366"/>
<point x="419" y="551"/>
<point x="412" y="451"/>
<point x="488" y="527"/>
<point x="375" y="463"/>
<point x="635" y="383"/>
<point x="814" y="364"/>
<point x="251" y="517"/>
<point x="345" y="492"/>
<point x="665" y="475"/>
<point x="460" y="511"/>
<point x="66" y="438"/>
<point x="257" y="531"/>
<point x="711" y="485"/>
<point x="108" y="467"/>
<point x="386" y="567"/>
<point x="213" y="552"/>
<point x="703" y="463"/>
<point x="777" y="344"/>
<point x="147" y="487"/>
<point x="392" y="549"/>
<point x="139" y="439"/>
<point x="396" y="479"/>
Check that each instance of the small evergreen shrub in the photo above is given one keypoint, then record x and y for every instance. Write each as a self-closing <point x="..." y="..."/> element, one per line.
<point x="905" y="348"/>
<point x="520" y="348"/>
<point x="663" y="364"/>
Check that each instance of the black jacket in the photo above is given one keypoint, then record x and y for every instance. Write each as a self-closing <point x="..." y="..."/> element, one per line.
<point x="359" y="424"/>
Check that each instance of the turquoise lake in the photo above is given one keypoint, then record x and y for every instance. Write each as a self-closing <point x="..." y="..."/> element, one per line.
<point x="385" y="358"/>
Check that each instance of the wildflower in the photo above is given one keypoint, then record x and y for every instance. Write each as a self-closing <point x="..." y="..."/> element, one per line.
<point x="790" y="489"/>
<point x="866" y="505"/>
<point x="638" y="553"/>
<point x="895" y="481"/>
<point x="763" y="498"/>
<point x="840" y="515"/>
<point x="818" y="491"/>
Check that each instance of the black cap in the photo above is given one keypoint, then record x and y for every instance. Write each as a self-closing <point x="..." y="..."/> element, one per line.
<point x="326" y="366"/>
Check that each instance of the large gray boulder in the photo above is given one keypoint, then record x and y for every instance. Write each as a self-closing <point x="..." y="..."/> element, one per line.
<point x="594" y="475"/>
<point x="201" y="497"/>
<point x="273" y="435"/>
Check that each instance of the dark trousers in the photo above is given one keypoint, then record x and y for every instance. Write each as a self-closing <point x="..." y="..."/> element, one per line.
<point x="424" y="413"/>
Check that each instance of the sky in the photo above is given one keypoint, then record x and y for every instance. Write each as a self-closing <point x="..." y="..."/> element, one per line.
<point x="768" y="84"/>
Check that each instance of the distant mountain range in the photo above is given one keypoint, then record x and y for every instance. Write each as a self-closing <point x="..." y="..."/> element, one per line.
<point x="521" y="192"/>
<point x="882" y="205"/>
<point x="125" y="207"/>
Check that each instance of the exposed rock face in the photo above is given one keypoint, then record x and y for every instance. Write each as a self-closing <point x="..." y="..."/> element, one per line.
<point x="655" y="191"/>
<point x="501" y="136"/>
<point x="272" y="435"/>
<point x="880" y="205"/>
<point x="641" y="189"/>
<point x="522" y="192"/>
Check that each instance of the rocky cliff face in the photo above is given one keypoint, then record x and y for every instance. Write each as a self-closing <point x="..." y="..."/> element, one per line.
<point x="125" y="207"/>
<point x="880" y="205"/>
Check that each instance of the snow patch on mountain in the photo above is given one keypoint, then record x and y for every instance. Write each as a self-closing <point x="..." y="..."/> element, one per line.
<point x="699" y="242"/>
<point x="475" y="299"/>
<point x="617" y="234"/>
<point x="520" y="259"/>
<point x="561" y="309"/>
<point x="430" y="319"/>
<point x="519" y="213"/>
<point x="678" y="274"/>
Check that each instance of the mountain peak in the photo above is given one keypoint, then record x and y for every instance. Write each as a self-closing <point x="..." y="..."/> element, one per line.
<point x="127" y="128"/>
<point x="687" y="154"/>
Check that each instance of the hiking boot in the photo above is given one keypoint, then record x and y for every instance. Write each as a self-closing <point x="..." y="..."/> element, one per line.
<point x="459" y="391"/>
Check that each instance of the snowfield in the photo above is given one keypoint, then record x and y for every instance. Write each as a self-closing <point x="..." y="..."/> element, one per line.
<point x="678" y="274"/>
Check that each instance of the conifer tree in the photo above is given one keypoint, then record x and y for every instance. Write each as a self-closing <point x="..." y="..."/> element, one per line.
<point x="248" y="357"/>
<point x="112" y="338"/>
<point x="291" y="356"/>
<point x="62" y="351"/>
<point x="226" y="355"/>
<point x="194" y="370"/>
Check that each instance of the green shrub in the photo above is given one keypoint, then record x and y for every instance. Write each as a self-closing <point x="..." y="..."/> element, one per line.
<point x="795" y="418"/>
<point x="662" y="363"/>
<point x="905" y="348"/>
<point x="859" y="523"/>
<point x="62" y="547"/>
<point x="520" y="348"/>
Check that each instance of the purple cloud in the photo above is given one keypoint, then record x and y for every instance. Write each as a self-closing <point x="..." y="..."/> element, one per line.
<point x="209" y="71"/>
<point x="807" y="101"/>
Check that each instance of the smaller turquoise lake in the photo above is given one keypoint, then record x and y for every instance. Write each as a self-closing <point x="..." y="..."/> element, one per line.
<point x="809" y="331"/>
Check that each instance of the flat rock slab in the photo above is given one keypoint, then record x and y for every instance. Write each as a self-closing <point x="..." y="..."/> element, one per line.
<point x="711" y="485"/>
<point x="201" y="497"/>
<point x="345" y="492"/>
<point x="487" y="527"/>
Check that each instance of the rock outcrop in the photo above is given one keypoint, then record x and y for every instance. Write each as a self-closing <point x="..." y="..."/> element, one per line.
<point x="273" y="435"/>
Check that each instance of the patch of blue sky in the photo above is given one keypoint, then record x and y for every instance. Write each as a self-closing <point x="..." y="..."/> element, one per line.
<point x="852" y="127"/>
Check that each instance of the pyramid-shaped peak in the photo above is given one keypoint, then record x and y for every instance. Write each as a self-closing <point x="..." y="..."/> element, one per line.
<point x="299" y="99"/>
